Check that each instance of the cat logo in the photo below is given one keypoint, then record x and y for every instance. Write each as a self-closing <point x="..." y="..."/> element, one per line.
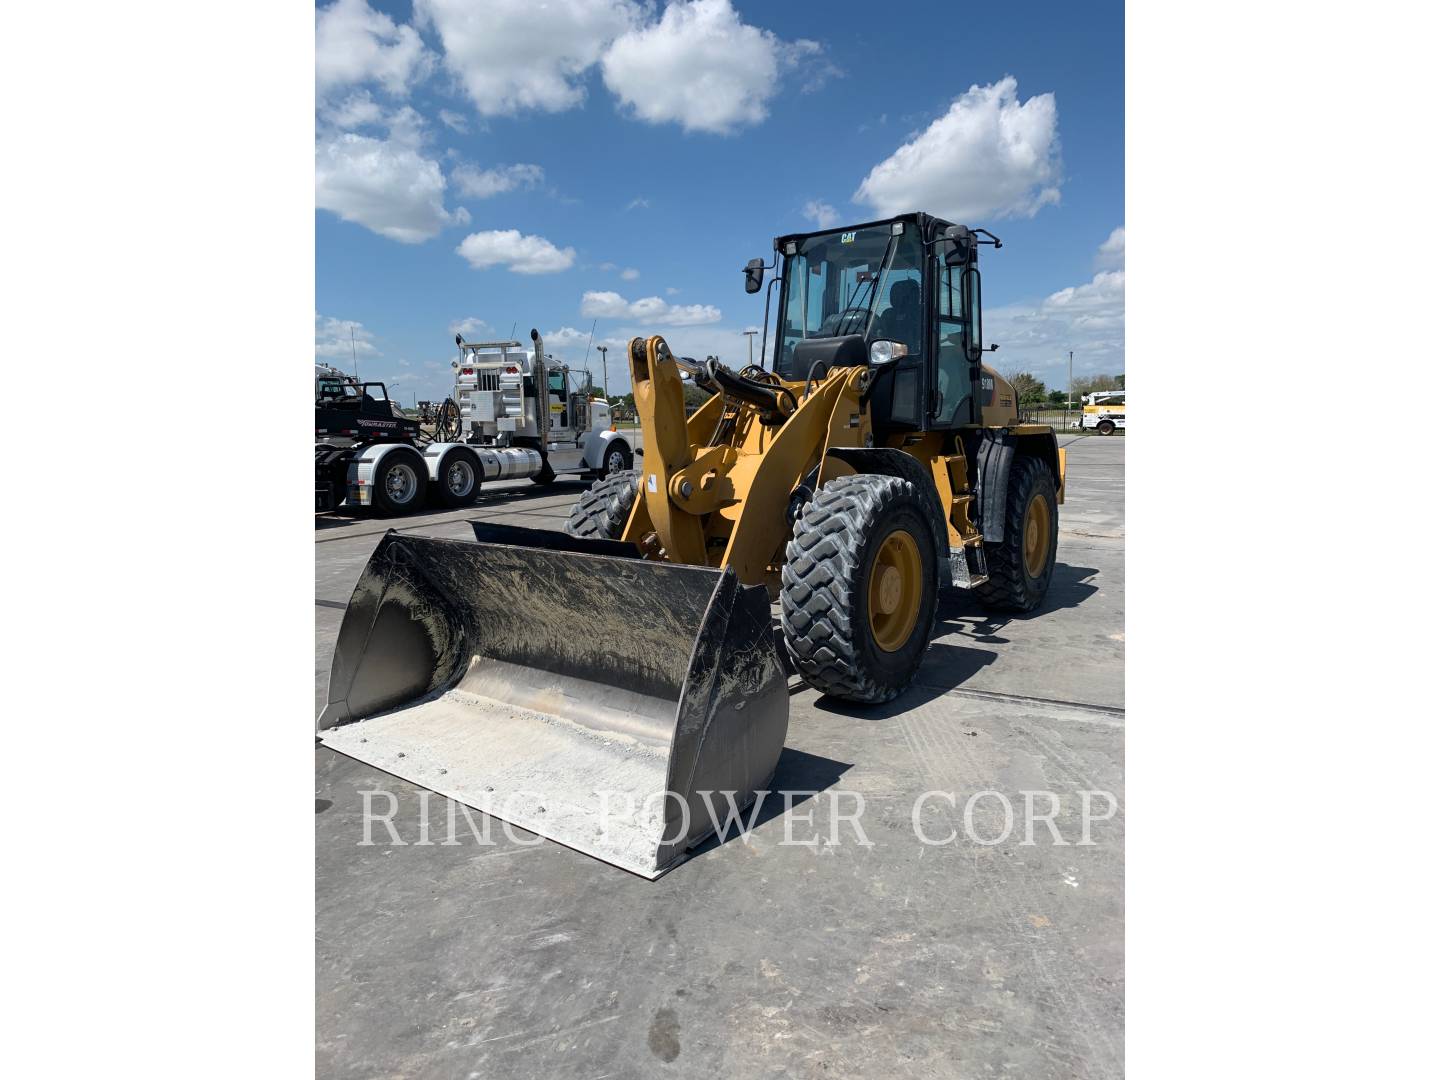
<point x="847" y="238"/>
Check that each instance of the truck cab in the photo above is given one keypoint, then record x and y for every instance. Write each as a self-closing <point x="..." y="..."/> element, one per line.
<point x="1104" y="411"/>
<point x="510" y="396"/>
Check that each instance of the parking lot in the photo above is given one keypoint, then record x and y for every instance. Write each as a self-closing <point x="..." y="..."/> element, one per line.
<point x="763" y="955"/>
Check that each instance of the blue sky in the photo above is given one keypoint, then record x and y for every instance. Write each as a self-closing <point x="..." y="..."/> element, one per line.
<point x="548" y="163"/>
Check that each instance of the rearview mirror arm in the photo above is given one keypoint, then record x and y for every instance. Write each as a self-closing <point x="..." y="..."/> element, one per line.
<point x="765" y="326"/>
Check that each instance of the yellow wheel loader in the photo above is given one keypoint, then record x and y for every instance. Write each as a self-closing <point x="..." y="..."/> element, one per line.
<point x="621" y="688"/>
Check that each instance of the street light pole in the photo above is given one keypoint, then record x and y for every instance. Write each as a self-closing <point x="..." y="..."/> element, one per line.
<point x="751" y="335"/>
<point x="1070" y="388"/>
<point x="604" y="370"/>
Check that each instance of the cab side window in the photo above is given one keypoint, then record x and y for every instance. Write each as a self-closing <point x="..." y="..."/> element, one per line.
<point x="556" y="381"/>
<point x="952" y="397"/>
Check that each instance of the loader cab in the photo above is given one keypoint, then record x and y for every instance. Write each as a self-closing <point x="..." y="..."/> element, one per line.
<point x="907" y="281"/>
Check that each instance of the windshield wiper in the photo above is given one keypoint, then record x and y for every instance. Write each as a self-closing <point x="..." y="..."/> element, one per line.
<point x="850" y="306"/>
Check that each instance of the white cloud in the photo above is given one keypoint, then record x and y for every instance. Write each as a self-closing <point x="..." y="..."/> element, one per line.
<point x="629" y="274"/>
<point x="821" y="213"/>
<point x="480" y="183"/>
<point x="332" y="338"/>
<point x="650" y="309"/>
<point x="699" y="66"/>
<point x="357" y="110"/>
<point x="454" y="121"/>
<point x="670" y="290"/>
<point x="638" y="204"/>
<point x="407" y="127"/>
<point x="469" y="327"/>
<point x="356" y="44"/>
<point x="990" y="155"/>
<point x="384" y="185"/>
<point x="404" y="126"/>
<point x="1088" y="318"/>
<point x="1112" y="251"/>
<point x="521" y="254"/>
<point x="567" y="337"/>
<point x="512" y="55"/>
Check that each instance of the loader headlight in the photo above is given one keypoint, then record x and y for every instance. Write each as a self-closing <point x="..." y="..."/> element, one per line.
<point x="887" y="352"/>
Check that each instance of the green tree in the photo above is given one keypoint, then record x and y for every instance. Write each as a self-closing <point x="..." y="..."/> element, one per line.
<point x="1029" y="391"/>
<point x="695" y="397"/>
<point x="1057" y="397"/>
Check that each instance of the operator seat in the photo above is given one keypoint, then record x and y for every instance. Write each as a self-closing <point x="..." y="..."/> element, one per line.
<point x="902" y="321"/>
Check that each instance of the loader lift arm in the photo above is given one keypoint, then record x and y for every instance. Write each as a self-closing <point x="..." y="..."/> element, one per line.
<point x="709" y="499"/>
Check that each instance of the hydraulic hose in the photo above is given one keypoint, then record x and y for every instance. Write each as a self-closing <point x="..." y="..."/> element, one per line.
<point x="761" y="396"/>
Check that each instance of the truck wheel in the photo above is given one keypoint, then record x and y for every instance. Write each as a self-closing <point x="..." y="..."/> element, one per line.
<point x="1020" y="566"/>
<point x="546" y="475"/>
<point x="458" y="481"/>
<point x="601" y="513"/>
<point x="1105" y="427"/>
<point x="617" y="458"/>
<point x="399" y="482"/>
<point x="858" y="590"/>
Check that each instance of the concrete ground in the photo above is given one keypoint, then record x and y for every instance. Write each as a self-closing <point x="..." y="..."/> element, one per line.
<point x="759" y="957"/>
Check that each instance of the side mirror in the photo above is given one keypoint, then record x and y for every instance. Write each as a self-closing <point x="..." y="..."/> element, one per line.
<point x="961" y="241"/>
<point x="754" y="275"/>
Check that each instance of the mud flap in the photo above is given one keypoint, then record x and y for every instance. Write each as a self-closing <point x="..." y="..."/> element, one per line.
<point x="563" y="685"/>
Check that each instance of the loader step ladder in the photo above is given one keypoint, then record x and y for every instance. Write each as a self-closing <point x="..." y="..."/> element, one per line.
<point x="967" y="566"/>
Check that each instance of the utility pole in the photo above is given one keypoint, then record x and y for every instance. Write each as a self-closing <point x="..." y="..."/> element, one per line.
<point x="604" y="368"/>
<point x="751" y="335"/>
<point x="1070" y="386"/>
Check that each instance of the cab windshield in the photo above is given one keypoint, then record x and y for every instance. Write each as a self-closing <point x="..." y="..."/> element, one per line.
<point x="860" y="281"/>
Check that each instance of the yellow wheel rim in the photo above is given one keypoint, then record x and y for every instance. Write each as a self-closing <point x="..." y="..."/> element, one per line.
<point x="1037" y="535"/>
<point x="895" y="580"/>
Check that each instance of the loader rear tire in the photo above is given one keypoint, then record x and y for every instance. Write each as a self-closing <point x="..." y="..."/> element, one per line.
<point x="858" y="590"/>
<point x="601" y="513"/>
<point x="1021" y="565"/>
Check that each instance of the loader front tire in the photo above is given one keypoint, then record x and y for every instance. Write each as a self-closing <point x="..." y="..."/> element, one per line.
<point x="601" y="513"/>
<point x="1021" y="565"/>
<point x="858" y="590"/>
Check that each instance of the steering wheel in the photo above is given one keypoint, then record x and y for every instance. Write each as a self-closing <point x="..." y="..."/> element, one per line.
<point x="830" y="329"/>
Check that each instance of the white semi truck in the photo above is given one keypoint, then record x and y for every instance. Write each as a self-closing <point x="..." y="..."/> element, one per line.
<point x="516" y="399"/>
<point x="520" y="417"/>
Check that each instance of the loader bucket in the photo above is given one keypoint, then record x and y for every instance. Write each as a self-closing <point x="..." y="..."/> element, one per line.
<point x="563" y="685"/>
